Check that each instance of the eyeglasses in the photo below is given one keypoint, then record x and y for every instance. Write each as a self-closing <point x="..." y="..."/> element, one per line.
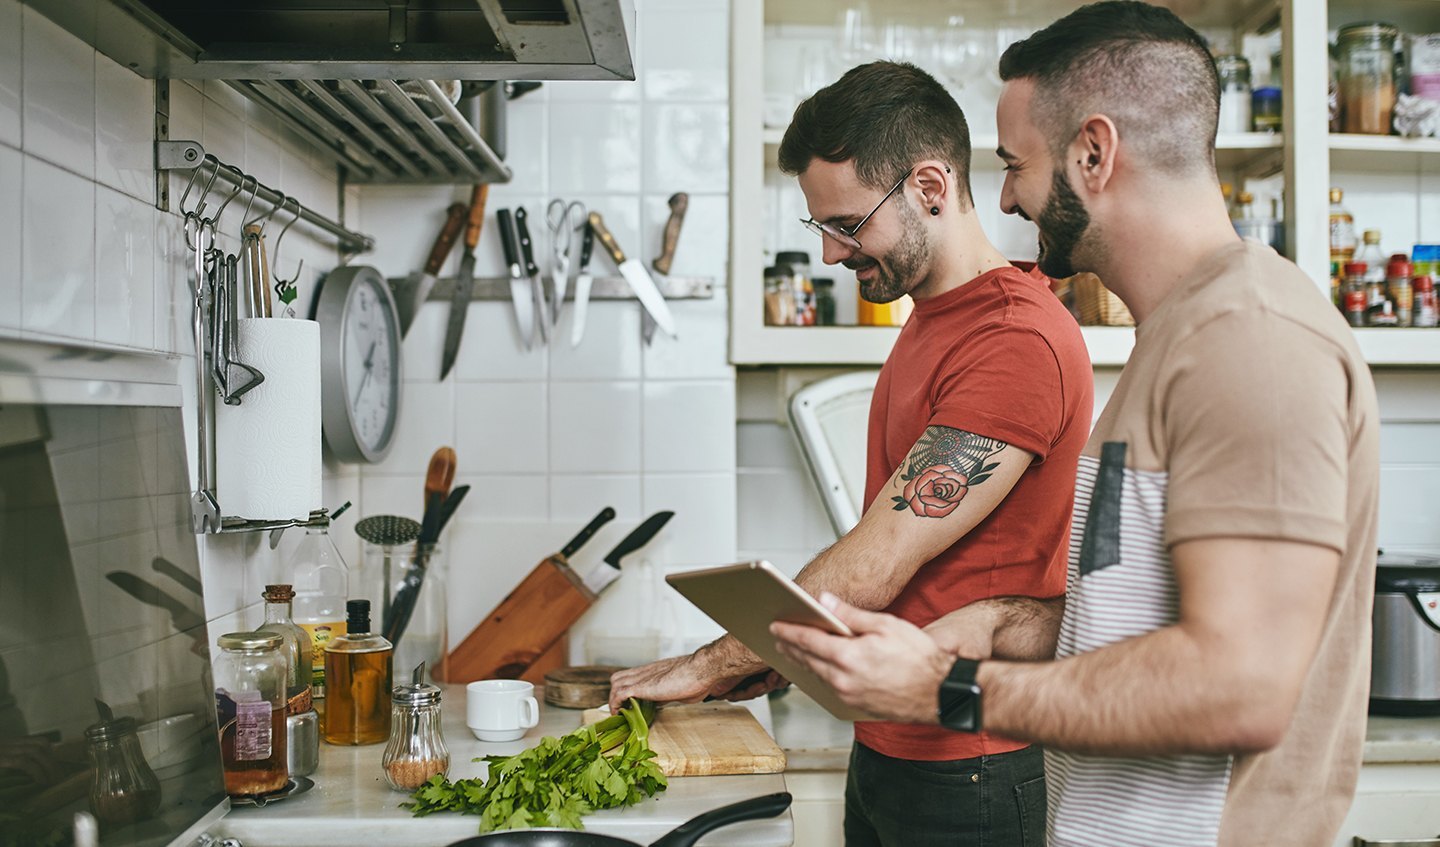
<point x="846" y="237"/>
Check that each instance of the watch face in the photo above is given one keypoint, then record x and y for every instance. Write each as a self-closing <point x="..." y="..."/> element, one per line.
<point x="370" y="361"/>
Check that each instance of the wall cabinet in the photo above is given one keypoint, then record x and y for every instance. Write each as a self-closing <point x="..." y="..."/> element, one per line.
<point x="1395" y="182"/>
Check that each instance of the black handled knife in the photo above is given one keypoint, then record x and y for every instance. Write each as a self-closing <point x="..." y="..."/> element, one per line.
<point x="537" y="285"/>
<point x="641" y="535"/>
<point x="519" y="297"/>
<point x="606" y="515"/>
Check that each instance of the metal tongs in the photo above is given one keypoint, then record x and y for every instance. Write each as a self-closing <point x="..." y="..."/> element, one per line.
<point x="233" y="378"/>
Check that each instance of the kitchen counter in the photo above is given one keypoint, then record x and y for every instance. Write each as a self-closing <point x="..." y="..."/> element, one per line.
<point x="815" y="741"/>
<point x="351" y="802"/>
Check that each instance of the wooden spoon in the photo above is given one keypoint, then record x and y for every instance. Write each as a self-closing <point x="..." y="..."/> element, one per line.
<point x="438" y="480"/>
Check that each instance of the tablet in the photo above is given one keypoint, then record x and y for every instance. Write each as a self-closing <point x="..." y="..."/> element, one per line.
<point x="745" y="599"/>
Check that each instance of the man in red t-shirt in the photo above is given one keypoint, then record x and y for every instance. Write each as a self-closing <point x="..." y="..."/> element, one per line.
<point x="976" y="426"/>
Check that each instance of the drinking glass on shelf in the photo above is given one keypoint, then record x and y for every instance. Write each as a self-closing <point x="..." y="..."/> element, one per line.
<point x="856" y="27"/>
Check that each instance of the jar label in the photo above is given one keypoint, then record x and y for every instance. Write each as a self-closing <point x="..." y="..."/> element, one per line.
<point x="248" y="716"/>
<point x="321" y="634"/>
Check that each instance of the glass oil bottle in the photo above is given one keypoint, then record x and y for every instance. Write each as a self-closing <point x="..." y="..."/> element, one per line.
<point x="358" y="677"/>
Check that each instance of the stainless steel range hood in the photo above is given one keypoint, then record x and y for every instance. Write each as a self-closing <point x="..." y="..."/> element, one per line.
<point x="357" y="39"/>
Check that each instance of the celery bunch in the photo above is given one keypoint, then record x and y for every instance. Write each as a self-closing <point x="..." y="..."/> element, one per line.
<point x="558" y="781"/>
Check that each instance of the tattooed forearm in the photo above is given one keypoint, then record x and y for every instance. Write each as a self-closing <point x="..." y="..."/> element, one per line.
<point x="940" y="469"/>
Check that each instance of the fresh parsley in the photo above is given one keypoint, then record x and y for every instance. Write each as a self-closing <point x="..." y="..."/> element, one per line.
<point x="558" y="781"/>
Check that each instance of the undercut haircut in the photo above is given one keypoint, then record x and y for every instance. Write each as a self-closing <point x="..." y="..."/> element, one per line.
<point x="886" y="117"/>
<point x="1137" y="64"/>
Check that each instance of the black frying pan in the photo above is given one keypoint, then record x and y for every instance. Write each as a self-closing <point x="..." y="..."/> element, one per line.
<point x="684" y="835"/>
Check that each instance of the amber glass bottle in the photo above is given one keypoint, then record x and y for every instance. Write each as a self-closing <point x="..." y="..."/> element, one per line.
<point x="357" y="682"/>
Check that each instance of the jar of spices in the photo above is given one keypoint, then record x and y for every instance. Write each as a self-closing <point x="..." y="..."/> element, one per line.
<point x="803" y="290"/>
<point x="1397" y="278"/>
<point x="416" y="750"/>
<point x="1355" y="303"/>
<point x="250" y="678"/>
<point x="824" y="301"/>
<point x="123" y="788"/>
<point x="1267" y="113"/>
<point x="779" y="296"/>
<point x="1367" y="77"/>
<point x="1234" y="93"/>
<point x="1427" y="311"/>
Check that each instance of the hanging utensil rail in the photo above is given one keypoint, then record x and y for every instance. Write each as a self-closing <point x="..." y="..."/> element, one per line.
<point x="188" y="155"/>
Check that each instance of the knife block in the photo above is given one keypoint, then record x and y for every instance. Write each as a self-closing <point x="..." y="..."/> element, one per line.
<point x="519" y="638"/>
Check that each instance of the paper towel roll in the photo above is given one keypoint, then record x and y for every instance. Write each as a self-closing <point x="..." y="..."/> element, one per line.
<point x="267" y="449"/>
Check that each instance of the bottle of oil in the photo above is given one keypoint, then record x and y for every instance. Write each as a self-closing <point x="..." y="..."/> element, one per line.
<point x="321" y="584"/>
<point x="358" y="681"/>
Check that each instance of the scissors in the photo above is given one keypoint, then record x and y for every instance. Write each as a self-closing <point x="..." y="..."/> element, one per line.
<point x="565" y="220"/>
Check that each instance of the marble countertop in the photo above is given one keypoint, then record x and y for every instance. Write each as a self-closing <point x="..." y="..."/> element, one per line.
<point x="813" y="740"/>
<point x="351" y="802"/>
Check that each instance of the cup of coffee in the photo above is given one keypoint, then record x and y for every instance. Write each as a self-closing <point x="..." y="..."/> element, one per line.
<point x="500" y="709"/>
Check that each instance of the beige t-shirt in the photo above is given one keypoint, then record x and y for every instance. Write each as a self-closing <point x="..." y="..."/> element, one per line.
<point x="1246" y="410"/>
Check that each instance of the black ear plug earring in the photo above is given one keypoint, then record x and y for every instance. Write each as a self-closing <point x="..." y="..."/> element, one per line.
<point x="934" y="210"/>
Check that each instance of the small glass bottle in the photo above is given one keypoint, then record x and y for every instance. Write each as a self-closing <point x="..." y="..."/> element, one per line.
<point x="417" y="748"/>
<point x="1267" y="110"/>
<point x="322" y="583"/>
<point x="1355" y="293"/>
<point x="123" y="788"/>
<point x="1342" y="229"/>
<point x="1398" y="274"/>
<point x="824" y="301"/>
<point x="779" y="296"/>
<point x="1234" y="93"/>
<point x="358" y="677"/>
<point x="1427" y="310"/>
<point x="1375" y="261"/>
<point x="302" y="724"/>
<point x="250" y="675"/>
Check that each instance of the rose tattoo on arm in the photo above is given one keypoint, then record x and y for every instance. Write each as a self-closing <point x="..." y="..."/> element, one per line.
<point x="941" y="467"/>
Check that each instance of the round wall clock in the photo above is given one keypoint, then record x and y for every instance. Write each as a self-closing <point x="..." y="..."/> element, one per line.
<point x="359" y="363"/>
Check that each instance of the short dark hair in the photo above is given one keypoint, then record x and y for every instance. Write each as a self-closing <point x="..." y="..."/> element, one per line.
<point x="1138" y="64"/>
<point x="886" y="116"/>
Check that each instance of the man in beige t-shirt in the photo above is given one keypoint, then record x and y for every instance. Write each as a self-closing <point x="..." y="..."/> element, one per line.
<point x="1211" y="669"/>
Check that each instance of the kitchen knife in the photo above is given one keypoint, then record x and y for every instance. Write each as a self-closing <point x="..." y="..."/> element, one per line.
<point x="635" y="274"/>
<point x="530" y="620"/>
<point x="537" y="285"/>
<point x="519" y="295"/>
<point x="582" y="287"/>
<point x="679" y="203"/>
<point x="609" y="570"/>
<point x="464" y="282"/>
<point x="411" y="292"/>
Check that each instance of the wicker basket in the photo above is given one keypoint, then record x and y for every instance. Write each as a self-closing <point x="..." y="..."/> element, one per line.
<point x="1098" y="305"/>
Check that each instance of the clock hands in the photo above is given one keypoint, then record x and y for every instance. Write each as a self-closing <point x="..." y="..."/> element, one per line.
<point x="369" y="363"/>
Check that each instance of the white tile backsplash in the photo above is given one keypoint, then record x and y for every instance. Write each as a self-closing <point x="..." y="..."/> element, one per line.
<point x="427" y="421"/>
<point x="11" y="67"/>
<point x="124" y="270"/>
<point x="689" y="426"/>
<point x="11" y="203"/>
<point x="491" y="348"/>
<point x="124" y="129"/>
<point x="59" y="95"/>
<point x="579" y="497"/>
<point x="703" y="530"/>
<point x="501" y="428"/>
<point x="595" y="147"/>
<point x="701" y="351"/>
<point x="609" y="349"/>
<point x="595" y="427"/>
<point x="687" y="147"/>
<point x="679" y="66"/>
<point x="703" y="248"/>
<point x="58" y="256"/>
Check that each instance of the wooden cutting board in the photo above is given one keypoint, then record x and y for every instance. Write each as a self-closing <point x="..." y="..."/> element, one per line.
<point x="709" y="739"/>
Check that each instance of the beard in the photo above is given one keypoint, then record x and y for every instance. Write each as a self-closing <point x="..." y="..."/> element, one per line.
<point x="898" y="271"/>
<point x="1062" y="223"/>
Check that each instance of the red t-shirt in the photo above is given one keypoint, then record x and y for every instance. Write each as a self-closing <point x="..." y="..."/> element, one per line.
<point x="999" y="357"/>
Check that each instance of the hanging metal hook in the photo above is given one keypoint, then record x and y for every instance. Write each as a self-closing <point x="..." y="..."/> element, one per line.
<point x="265" y="219"/>
<point x="239" y="186"/>
<point x="194" y="172"/>
<point x="204" y="195"/>
<point x="254" y="190"/>
<point x="275" y="255"/>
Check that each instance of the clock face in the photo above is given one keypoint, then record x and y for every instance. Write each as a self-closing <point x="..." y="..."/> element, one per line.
<point x="371" y="378"/>
<point x="359" y="362"/>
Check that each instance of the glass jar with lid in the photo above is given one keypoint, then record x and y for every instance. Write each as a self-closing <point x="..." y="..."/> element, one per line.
<point x="1367" y="77"/>
<point x="123" y="788"/>
<point x="1234" y="93"/>
<point x="250" y="679"/>
<point x="416" y="750"/>
<point x="779" y="296"/>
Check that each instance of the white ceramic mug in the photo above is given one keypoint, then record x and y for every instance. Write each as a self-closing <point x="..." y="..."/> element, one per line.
<point x="500" y="709"/>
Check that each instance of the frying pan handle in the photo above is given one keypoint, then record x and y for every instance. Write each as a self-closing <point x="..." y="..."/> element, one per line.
<point x="686" y="834"/>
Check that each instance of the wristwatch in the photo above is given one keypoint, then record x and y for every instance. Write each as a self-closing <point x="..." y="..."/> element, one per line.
<point x="960" y="697"/>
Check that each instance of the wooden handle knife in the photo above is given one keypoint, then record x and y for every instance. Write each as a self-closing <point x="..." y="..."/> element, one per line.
<point x="607" y="240"/>
<point x="679" y="202"/>
<point x="454" y="221"/>
<point x="477" y="216"/>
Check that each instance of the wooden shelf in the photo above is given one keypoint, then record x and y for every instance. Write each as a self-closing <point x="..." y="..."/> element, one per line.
<point x="1383" y="153"/>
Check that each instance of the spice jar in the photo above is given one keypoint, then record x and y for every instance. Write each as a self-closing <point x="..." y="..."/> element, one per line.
<point x="123" y="788"/>
<point x="250" y="678"/>
<point x="1267" y="112"/>
<point x="417" y="748"/>
<point x="824" y="301"/>
<point x="1234" y="93"/>
<point x="803" y="289"/>
<point x="779" y="296"/>
<point x="1367" y="77"/>
<point x="1355" y="304"/>
<point x="1427" y="312"/>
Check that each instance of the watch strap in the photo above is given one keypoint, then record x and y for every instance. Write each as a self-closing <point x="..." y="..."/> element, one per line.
<point x="960" y="697"/>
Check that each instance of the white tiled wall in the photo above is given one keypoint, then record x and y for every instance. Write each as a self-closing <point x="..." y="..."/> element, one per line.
<point x="781" y="517"/>
<point x="548" y="437"/>
<point x="86" y="258"/>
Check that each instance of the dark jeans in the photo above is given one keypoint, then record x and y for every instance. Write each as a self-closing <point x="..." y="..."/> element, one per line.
<point x="990" y="801"/>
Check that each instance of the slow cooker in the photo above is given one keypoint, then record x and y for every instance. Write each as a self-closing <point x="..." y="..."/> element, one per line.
<point x="1405" y="653"/>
